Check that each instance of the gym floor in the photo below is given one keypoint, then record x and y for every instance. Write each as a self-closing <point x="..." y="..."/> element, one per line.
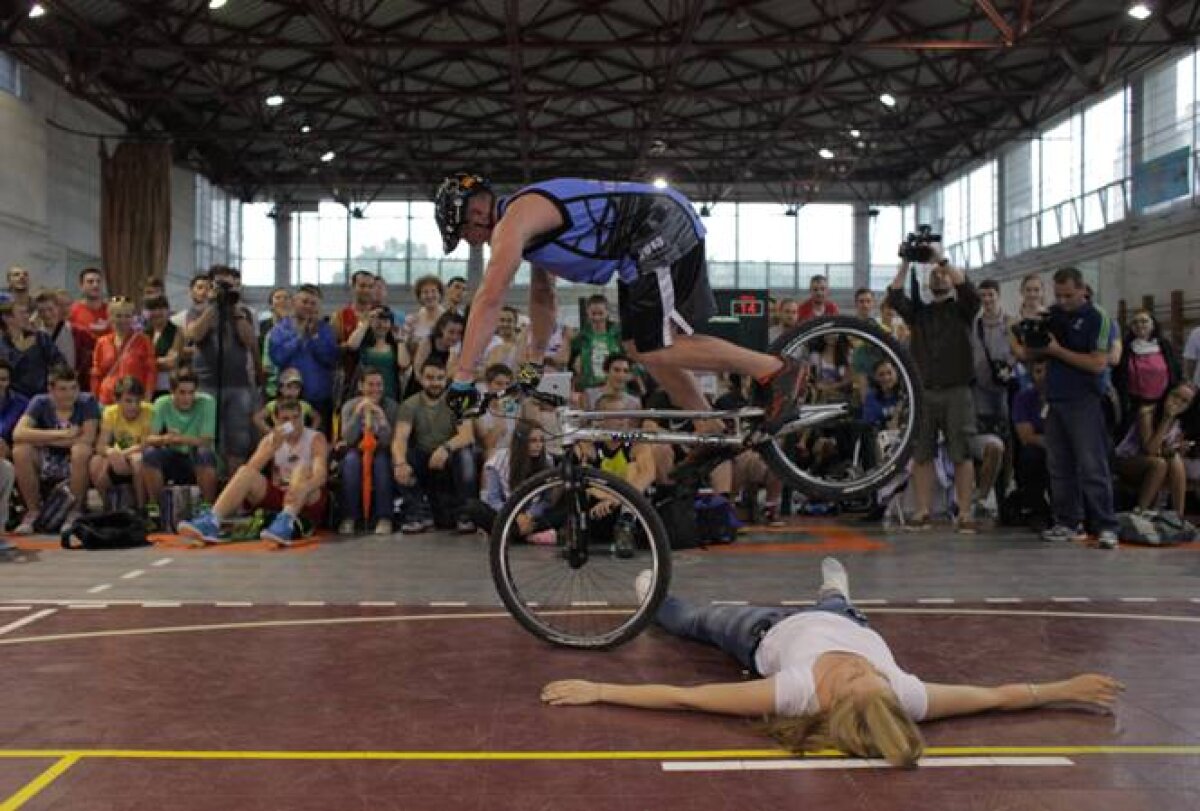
<point x="381" y="673"/>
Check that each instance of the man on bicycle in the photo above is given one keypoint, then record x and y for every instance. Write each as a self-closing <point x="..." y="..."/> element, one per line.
<point x="585" y="231"/>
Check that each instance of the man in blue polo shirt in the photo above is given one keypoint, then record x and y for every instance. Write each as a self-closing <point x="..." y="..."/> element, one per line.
<point x="1077" y="444"/>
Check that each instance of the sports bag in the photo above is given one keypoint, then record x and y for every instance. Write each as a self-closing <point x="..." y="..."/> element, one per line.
<point x="1139" y="527"/>
<point x="120" y="529"/>
<point x="54" y="510"/>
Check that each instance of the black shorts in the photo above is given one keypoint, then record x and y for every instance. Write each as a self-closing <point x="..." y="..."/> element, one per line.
<point x="669" y="298"/>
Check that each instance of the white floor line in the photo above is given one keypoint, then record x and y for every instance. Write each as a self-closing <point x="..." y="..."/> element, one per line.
<point x="306" y="603"/>
<point x="23" y="621"/>
<point x="377" y="604"/>
<point x="835" y="764"/>
<point x="134" y="574"/>
<point x="84" y="606"/>
<point x="1002" y="600"/>
<point x="161" y="604"/>
<point x="870" y="602"/>
<point x="797" y="602"/>
<point x="1138" y="599"/>
<point x="730" y="602"/>
<point x="233" y="604"/>
<point x="162" y="562"/>
<point x="935" y="600"/>
<point x="15" y="607"/>
<point x="463" y="604"/>
<point x="1070" y="599"/>
<point x="100" y="588"/>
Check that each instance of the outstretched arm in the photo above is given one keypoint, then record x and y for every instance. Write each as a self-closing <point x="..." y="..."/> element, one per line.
<point x="948" y="700"/>
<point x="748" y="698"/>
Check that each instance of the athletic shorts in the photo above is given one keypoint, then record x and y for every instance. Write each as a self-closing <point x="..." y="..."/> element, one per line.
<point x="950" y="412"/>
<point x="273" y="502"/>
<point x="664" y="299"/>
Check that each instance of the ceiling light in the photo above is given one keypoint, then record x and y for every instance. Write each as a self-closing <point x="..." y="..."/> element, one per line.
<point x="37" y="10"/>
<point x="274" y="100"/>
<point x="328" y="156"/>
<point x="855" y="133"/>
<point x="826" y="153"/>
<point x="1139" y="11"/>
<point x="216" y="4"/>
<point x="741" y="20"/>
<point x="660" y="183"/>
<point x="305" y="128"/>
<point x="887" y="99"/>
<point x="861" y="144"/>
<point x="705" y="210"/>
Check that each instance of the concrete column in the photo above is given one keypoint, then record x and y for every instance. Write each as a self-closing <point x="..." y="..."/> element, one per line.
<point x="475" y="268"/>
<point x="283" y="246"/>
<point x="862" y="245"/>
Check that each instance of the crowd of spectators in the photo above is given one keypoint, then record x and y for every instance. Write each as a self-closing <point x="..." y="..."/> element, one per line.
<point x="119" y="400"/>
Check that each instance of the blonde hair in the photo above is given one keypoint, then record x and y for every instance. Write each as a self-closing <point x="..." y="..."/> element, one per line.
<point x="867" y="726"/>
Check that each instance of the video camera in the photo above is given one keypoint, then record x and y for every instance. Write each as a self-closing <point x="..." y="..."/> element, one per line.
<point x="1034" y="333"/>
<point x="227" y="294"/>
<point x="917" y="246"/>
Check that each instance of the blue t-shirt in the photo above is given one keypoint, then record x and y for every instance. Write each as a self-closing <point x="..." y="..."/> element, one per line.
<point x="11" y="411"/>
<point x="41" y="411"/>
<point x="1085" y="330"/>
<point x="1027" y="407"/>
<point x="878" y="408"/>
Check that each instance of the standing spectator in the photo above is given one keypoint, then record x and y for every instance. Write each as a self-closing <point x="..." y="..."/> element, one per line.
<point x="18" y="286"/>
<point x="372" y="412"/>
<point x="152" y="288"/>
<point x="1029" y="423"/>
<point x="180" y="446"/>
<point x="863" y="357"/>
<point x="122" y="353"/>
<point x="374" y="341"/>
<point x="1191" y="358"/>
<point x="432" y="457"/>
<point x="1033" y="300"/>
<point x="1151" y="454"/>
<point x="1076" y="451"/>
<point x="995" y="381"/>
<point x="12" y="408"/>
<point x="456" y="294"/>
<point x="53" y="442"/>
<point x="503" y="349"/>
<point x="199" y="294"/>
<point x="307" y="343"/>
<point x="89" y="315"/>
<point x="225" y="358"/>
<point x="419" y="325"/>
<point x="167" y="340"/>
<point x="941" y="348"/>
<point x="786" y="318"/>
<point x="439" y="348"/>
<point x="52" y="319"/>
<point x="818" y="302"/>
<point x="30" y="353"/>
<point x="1148" y="366"/>
<point x="281" y="308"/>
<point x="124" y="426"/>
<point x="380" y="294"/>
<point x="345" y="323"/>
<point x="597" y="339"/>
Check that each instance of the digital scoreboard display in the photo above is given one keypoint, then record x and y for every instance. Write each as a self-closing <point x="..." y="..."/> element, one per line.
<point x="742" y="317"/>
<point x="747" y="305"/>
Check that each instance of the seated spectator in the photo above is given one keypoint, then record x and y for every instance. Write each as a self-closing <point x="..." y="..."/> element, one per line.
<point x="881" y="405"/>
<point x="557" y="357"/>
<point x="456" y="296"/>
<point x="12" y="407"/>
<point x="818" y="303"/>
<point x="29" y="353"/>
<point x="1148" y="366"/>
<point x="595" y="341"/>
<point x="281" y="308"/>
<point x="632" y="462"/>
<point x="374" y="343"/>
<point x="419" y="325"/>
<point x="124" y="426"/>
<point x="494" y="427"/>
<point x="89" y="318"/>
<point x="504" y="348"/>
<point x="440" y="348"/>
<point x="1029" y="423"/>
<point x="618" y="377"/>
<point x="432" y="458"/>
<point x="167" y="340"/>
<point x="52" y="320"/>
<point x="788" y="319"/>
<point x="291" y="384"/>
<point x="508" y="469"/>
<point x="307" y="343"/>
<point x="296" y="461"/>
<point x="53" y="442"/>
<point x="987" y="450"/>
<point x="371" y="414"/>
<point x="121" y="353"/>
<point x="892" y="323"/>
<point x="1151" y="454"/>
<point x="829" y="361"/>
<point x="180" y="446"/>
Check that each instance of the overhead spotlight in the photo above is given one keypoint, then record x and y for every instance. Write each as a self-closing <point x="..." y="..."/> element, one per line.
<point x="741" y="20"/>
<point x="887" y="99"/>
<point x="658" y="147"/>
<point x="216" y="4"/>
<point x="861" y="144"/>
<point x="826" y="153"/>
<point x="328" y="156"/>
<point x="274" y="100"/>
<point x="1139" y="11"/>
<point x="37" y="10"/>
<point x="855" y="133"/>
<point x="660" y="183"/>
<point x="305" y="128"/>
<point x="706" y="210"/>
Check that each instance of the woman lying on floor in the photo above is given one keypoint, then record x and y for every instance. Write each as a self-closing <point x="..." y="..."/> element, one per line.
<point x="829" y="680"/>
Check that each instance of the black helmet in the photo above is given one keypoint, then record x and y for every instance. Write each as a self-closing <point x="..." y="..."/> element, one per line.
<point x="450" y="205"/>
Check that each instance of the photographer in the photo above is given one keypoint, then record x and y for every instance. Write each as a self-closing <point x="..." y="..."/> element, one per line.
<point x="995" y="383"/>
<point x="941" y="348"/>
<point x="225" y="360"/>
<point x="1074" y="338"/>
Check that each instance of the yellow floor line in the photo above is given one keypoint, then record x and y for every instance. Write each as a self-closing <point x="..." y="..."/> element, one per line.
<point x="945" y="751"/>
<point x="35" y="786"/>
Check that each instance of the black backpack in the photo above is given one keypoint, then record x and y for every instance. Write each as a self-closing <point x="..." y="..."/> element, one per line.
<point x="54" y="509"/>
<point x="121" y="529"/>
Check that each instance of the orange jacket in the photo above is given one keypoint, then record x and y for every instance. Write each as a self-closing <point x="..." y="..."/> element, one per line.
<point x="137" y="361"/>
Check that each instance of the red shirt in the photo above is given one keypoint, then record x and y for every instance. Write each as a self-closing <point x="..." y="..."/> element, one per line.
<point x="110" y="364"/>
<point x="807" y="310"/>
<point x="83" y="318"/>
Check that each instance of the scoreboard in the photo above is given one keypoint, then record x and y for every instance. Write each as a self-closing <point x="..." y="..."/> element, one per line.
<point x="742" y="317"/>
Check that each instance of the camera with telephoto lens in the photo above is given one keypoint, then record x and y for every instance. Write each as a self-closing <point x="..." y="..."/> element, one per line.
<point x="918" y="246"/>
<point x="227" y="294"/>
<point x="1034" y="333"/>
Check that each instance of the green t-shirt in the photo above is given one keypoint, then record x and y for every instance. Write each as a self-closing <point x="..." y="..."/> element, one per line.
<point x="593" y="349"/>
<point x="432" y="425"/>
<point x="199" y="421"/>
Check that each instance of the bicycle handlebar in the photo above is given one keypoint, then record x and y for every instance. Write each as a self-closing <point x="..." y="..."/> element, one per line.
<point x="520" y="390"/>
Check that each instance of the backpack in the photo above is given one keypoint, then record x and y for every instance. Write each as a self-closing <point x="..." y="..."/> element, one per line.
<point x="715" y="519"/>
<point x="54" y="509"/>
<point x="1172" y="528"/>
<point x="1140" y="527"/>
<point x="678" y="512"/>
<point x="121" y="529"/>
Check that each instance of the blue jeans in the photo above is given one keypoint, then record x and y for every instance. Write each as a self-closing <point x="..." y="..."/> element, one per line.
<point x="737" y="629"/>
<point x="451" y="487"/>
<point x="1077" y="450"/>
<point x="381" y="480"/>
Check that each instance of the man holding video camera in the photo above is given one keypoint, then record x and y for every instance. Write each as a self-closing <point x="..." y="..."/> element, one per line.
<point x="1074" y="337"/>
<point x="941" y="348"/>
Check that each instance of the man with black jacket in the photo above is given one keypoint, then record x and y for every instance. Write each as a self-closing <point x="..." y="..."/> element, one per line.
<point x="941" y="348"/>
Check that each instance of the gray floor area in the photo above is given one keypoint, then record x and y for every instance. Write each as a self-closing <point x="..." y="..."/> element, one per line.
<point x="417" y="570"/>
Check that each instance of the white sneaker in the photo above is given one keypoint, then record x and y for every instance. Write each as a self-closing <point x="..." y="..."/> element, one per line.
<point x="643" y="584"/>
<point x="26" y="525"/>
<point x="346" y="527"/>
<point x="383" y="526"/>
<point x="834" y="578"/>
<point x="1108" y="539"/>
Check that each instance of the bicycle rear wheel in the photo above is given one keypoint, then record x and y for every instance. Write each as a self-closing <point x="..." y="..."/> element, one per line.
<point x="841" y="456"/>
<point x="577" y="588"/>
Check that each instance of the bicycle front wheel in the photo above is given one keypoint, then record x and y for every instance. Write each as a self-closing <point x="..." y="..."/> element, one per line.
<point x="574" y="584"/>
<point x="841" y="453"/>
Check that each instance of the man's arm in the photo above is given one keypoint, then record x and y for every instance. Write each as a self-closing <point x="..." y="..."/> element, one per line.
<point x="965" y="294"/>
<point x="900" y="302"/>
<point x="197" y="328"/>
<point x="324" y="346"/>
<point x="525" y="218"/>
<point x="27" y="433"/>
<point x="283" y="343"/>
<point x="1095" y="361"/>
<point x="543" y="313"/>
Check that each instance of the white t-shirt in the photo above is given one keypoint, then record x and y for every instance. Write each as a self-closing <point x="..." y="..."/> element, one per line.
<point x="791" y="648"/>
<point x="1191" y="351"/>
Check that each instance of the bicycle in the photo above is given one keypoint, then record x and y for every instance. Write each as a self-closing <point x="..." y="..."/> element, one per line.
<point x="577" y="588"/>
